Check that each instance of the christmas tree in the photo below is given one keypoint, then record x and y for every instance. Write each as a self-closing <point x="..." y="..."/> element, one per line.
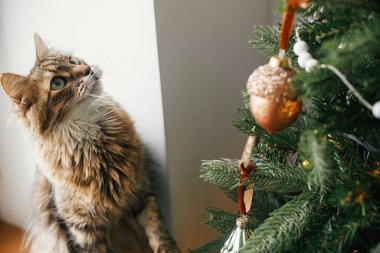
<point x="316" y="183"/>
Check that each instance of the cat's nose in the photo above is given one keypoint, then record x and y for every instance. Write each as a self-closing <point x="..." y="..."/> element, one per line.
<point x="81" y="70"/>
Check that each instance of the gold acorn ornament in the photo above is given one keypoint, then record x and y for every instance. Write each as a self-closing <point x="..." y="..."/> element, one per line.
<point x="272" y="103"/>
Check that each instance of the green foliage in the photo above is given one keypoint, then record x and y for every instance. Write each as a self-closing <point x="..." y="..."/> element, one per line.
<point x="223" y="173"/>
<point x="266" y="40"/>
<point x="213" y="246"/>
<point x="319" y="166"/>
<point x="317" y="183"/>
<point x="284" y="226"/>
<point x="340" y="233"/>
<point x="345" y="232"/>
<point x="277" y="177"/>
<point x="220" y="220"/>
<point x="263" y="204"/>
<point x="268" y="176"/>
<point x="277" y="147"/>
<point x="223" y="221"/>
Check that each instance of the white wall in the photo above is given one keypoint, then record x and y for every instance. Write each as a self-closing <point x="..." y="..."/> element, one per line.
<point x="120" y="36"/>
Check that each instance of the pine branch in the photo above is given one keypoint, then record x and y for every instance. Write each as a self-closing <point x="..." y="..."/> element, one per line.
<point x="346" y="233"/>
<point x="263" y="204"/>
<point x="277" y="177"/>
<point x="341" y="232"/>
<point x="213" y="246"/>
<point x="274" y="177"/>
<point x="223" y="221"/>
<point x="311" y="240"/>
<point x="360" y="39"/>
<point x="266" y="40"/>
<point x="220" y="220"/>
<point x="285" y="225"/>
<point x="320" y="169"/>
<point x="223" y="173"/>
<point x="244" y="121"/>
<point x="376" y="248"/>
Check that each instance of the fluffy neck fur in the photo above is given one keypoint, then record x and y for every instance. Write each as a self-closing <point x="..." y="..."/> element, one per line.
<point x="74" y="153"/>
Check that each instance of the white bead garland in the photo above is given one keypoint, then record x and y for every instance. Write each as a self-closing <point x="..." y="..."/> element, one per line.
<point x="303" y="58"/>
<point x="376" y="110"/>
<point x="306" y="61"/>
<point x="311" y="64"/>
<point x="300" y="47"/>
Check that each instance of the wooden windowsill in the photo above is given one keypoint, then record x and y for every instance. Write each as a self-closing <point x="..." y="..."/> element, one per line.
<point x="11" y="238"/>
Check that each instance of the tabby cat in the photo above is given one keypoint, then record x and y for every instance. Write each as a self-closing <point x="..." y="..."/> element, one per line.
<point x="91" y="192"/>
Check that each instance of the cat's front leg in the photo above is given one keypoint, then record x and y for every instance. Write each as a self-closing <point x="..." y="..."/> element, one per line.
<point x="88" y="239"/>
<point x="44" y="234"/>
<point x="150" y="219"/>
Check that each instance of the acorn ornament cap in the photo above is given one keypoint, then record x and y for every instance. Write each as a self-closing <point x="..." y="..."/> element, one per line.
<point x="272" y="103"/>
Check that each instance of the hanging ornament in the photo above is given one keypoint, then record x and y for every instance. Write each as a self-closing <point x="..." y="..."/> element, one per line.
<point x="238" y="237"/>
<point x="236" y="240"/>
<point x="272" y="103"/>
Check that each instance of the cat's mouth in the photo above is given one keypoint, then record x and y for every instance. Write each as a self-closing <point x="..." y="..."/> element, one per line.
<point x="88" y="86"/>
<point x="96" y="72"/>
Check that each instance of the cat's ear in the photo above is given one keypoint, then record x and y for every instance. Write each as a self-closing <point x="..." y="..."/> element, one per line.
<point x="41" y="49"/>
<point x="12" y="85"/>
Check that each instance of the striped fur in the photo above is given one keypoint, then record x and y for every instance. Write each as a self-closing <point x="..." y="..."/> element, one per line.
<point x="91" y="194"/>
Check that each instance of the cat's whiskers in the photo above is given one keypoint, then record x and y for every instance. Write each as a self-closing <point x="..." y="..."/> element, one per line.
<point x="84" y="84"/>
<point x="81" y="88"/>
<point x="97" y="96"/>
<point x="92" y="75"/>
<point x="90" y="85"/>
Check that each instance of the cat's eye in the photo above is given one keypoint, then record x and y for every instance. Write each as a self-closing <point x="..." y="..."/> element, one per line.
<point x="57" y="83"/>
<point x="74" y="61"/>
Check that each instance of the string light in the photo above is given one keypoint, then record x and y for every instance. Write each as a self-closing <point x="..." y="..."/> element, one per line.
<point x="305" y="163"/>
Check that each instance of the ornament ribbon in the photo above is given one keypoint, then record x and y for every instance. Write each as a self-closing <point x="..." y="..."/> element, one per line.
<point x="246" y="167"/>
<point x="287" y="24"/>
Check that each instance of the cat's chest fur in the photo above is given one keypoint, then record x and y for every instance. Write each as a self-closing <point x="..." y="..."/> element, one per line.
<point x="93" y="158"/>
<point x="71" y="148"/>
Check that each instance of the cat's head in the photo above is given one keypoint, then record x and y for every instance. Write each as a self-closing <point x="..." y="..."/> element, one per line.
<point x="56" y="85"/>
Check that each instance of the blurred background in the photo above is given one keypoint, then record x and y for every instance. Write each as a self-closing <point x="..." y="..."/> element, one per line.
<point x="176" y="66"/>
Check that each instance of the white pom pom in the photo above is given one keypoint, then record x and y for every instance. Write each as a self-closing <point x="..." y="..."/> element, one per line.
<point x="311" y="64"/>
<point x="300" y="47"/>
<point x="376" y="110"/>
<point x="303" y="58"/>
